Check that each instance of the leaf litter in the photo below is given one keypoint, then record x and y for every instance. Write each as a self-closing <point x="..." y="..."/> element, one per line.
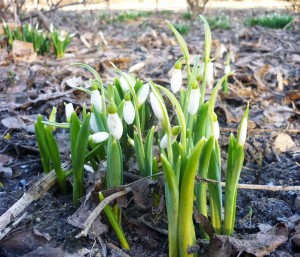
<point x="267" y="74"/>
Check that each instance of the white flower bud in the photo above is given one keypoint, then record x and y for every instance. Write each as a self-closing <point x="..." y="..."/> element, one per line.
<point x="216" y="130"/>
<point x="69" y="109"/>
<point x="98" y="137"/>
<point x="115" y="125"/>
<point x="143" y="94"/>
<point x="156" y="107"/>
<point x="93" y="123"/>
<point x="51" y="28"/>
<point x="176" y="80"/>
<point x="210" y="74"/>
<point x="227" y="69"/>
<point x="194" y="101"/>
<point x="96" y="100"/>
<point x="243" y="132"/>
<point x="164" y="141"/>
<point x="124" y="85"/>
<point x="128" y="112"/>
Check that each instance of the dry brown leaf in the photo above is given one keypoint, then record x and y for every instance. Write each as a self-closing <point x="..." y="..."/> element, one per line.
<point x="23" y="51"/>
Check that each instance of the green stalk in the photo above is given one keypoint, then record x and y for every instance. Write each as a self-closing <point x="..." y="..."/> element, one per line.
<point x="186" y="231"/>
<point x="172" y="202"/>
<point x="215" y="190"/>
<point x="55" y="158"/>
<point x="114" y="223"/>
<point x="114" y="174"/>
<point x="232" y="177"/>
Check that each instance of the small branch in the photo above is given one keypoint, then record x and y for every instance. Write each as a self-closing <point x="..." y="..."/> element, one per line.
<point x="252" y="131"/>
<point x="90" y="220"/>
<point x="252" y="187"/>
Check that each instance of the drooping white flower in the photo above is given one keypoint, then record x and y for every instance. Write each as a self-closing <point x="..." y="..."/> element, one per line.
<point x="96" y="100"/>
<point x="210" y="75"/>
<point x="176" y="80"/>
<point x="51" y="28"/>
<point x="69" y="109"/>
<point x="164" y="141"/>
<point x="216" y="129"/>
<point x="156" y="107"/>
<point x="61" y="38"/>
<point x="194" y="101"/>
<point x="243" y="131"/>
<point x="143" y="94"/>
<point x="114" y="123"/>
<point x="98" y="137"/>
<point x="93" y="123"/>
<point x="128" y="112"/>
<point x="227" y="69"/>
<point x="124" y="84"/>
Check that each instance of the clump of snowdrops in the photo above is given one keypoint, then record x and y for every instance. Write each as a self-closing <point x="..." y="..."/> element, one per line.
<point x="119" y="122"/>
<point x="40" y="39"/>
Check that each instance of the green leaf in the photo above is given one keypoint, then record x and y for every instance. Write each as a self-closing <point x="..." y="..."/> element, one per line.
<point x="186" y="231"/>
<point x="115" y="224"/>
<point x="148" y="152"/>
<point x="140" y="157"/>
<point x="79" y="157"/>
<point x="114" y="174"/>
<point x="181" y="42"/>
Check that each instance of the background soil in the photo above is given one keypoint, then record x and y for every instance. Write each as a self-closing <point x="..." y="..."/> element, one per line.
<point x="259" y="55"/>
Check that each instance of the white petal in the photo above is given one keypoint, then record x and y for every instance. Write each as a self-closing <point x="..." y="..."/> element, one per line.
<point x="69" y="109"/>
<point x="176" y="80"/>
<point x="61" y="39"/>
<point x="227" y="69"/>
<point x="96" y="100"/>
<point x="216" y="130"/>
<point x="93" y="123"/>
<point x="128" y="112"/>
<point x="115" y="125"/>
<point x="194" y="101"/>
<point x="99" y="137"/>
<point x="210" y="74"/>
<point x="243" y="132"/>
<point x="143" y="94"/>
<point x="124" y="85"/>
<point x="155" y="104"/>
<point x="164" y="141"/>
<point x="51" y="27"/>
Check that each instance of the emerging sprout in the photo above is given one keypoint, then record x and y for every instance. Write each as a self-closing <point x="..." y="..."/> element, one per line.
<point x="243" y="131"/>
<point x="114" y="122"/>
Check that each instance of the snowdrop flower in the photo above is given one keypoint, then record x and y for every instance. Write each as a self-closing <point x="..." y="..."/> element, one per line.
<point x="96" y="98"/>
<point x="143" y="94"/>
<point x="69" y="109"/>
<point x="164" y="140"/>
<point x="242" y="131"/>
<point x="194" y="99"/>
<point x="114" y="122"/>
<point x="51" y="28"/>
<point x="128" y="110"/>
<point x="61" y="38"/>
<point x="93" y="123"/>
<point x="176" y="79"/>
<point x="98" y="137"/>
<point x="216" y="129"/>
<point x="124" y="84"/>
<point x="227" y="69"/>
<point x="156" y="107"/>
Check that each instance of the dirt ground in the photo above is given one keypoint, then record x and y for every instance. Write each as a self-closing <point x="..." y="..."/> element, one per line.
<point x="261" y="57"/>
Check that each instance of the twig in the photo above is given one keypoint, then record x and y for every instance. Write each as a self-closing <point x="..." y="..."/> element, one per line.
<point x="95" y="213"/>
<point x="4" y="232"/>
<point x="252" y="131"/>
<point x="252" y="187"/>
